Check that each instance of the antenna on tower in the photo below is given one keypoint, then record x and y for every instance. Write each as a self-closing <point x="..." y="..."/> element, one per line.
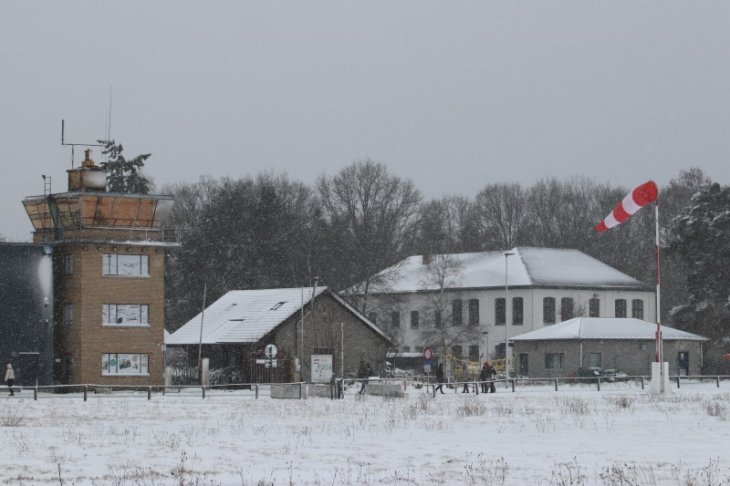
<point x="73" y="145"/>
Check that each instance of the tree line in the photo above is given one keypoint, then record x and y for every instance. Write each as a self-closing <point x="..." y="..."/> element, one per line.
<point x="267" y="231"/>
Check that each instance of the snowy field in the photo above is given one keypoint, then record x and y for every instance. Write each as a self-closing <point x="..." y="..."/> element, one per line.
<point x="620" y="435"/>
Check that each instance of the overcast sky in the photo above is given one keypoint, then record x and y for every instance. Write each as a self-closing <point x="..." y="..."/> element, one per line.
<point x="453" y="95"/>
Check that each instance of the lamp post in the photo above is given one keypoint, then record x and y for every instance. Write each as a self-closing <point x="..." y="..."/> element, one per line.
<point x="507" y="254"/>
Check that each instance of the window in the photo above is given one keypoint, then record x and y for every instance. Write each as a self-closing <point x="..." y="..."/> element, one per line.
<point x="474" y="352"/>
<point x="456" y="315"/>
<point x="395" y="319"/>
<point x="373" y="317"/>
<point x="637" y="308"/>
<point x="456" y="351"/>
<point x="124" y="364"/>
<point x="594" y="307"/>
<point x="437" y="319"/>
<point x="125" y="265"/>
<point x="473" y="312"/>
<point x="68" y="314"/>
<point x="553" y="361"/>
<point x="125" y="315"/>
<point x="68" y="265"/>
<point x="595" y="360"/>
<point x="277" y="305"/>
<point x="517" y="314"/>
<point x="620" y="306"/>
<point x="414" y="319"/>
<point x="499" y="310"/>
<point x="548" y="310"/>
<point x="566" y="308"/>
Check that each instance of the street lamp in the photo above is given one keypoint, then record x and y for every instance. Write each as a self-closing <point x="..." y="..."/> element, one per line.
<point x="507" y="254"/>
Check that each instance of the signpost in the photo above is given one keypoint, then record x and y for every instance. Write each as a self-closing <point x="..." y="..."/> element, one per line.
<point x="270" y="353"/>
<point x="427" y="355"/>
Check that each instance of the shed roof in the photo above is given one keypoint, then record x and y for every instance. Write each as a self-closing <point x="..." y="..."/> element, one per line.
<point x="585" y="328"/>
<point x="527" y="267"/>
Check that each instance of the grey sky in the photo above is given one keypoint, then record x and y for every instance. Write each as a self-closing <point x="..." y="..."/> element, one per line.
<point x="453" y="95"/>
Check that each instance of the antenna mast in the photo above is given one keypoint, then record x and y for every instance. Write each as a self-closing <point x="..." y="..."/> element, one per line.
<point x="73" y="145"/>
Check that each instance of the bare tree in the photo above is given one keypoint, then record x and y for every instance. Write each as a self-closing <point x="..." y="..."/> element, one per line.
<point x="502" y="210"/>
<point x="371" y="215"/>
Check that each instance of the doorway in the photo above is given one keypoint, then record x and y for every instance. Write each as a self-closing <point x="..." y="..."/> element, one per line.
<point x="524" y="364"/>
<point x="683" y="363"/>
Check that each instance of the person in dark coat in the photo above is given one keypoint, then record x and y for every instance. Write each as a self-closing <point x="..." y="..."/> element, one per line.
<point x="484" y="376"/>
<point x="363" y="373"/>
<point x="465" y="378"/>
<point x="440" y="378"/>
<point x="489" y="372"/>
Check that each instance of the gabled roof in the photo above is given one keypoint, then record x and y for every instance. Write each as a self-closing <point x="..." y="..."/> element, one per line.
<point x="246" y="316"/>
<point x="583" y="328"/>
<point x="527" y="267"/>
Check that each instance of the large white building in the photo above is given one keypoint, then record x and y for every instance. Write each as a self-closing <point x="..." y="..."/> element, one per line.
<point x="456" y="303"/>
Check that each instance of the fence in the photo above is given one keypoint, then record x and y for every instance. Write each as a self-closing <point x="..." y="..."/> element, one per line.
<point x="338" y="386"/>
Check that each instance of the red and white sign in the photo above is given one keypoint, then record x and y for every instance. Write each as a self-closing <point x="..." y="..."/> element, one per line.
<point x="427" y="354"/>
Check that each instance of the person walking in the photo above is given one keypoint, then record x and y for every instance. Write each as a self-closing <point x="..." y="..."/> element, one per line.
<point x="440" y="378"/>
<point x="10" y="378"/>
<point x="363" y="373"/>
<point x="465" y="378"/>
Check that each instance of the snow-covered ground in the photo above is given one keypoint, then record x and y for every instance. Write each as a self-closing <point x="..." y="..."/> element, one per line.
<point x="578" y="435"/>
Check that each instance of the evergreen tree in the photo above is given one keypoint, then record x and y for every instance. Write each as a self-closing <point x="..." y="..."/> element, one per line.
<point x="699" y="237"/>
<point x="124" y="175"/>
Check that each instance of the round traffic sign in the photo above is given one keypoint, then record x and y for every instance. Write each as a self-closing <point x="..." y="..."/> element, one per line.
<point x="270" y="351"/>
<point x="427" y="354"/>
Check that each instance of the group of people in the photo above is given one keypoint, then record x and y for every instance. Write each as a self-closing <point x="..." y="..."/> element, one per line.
<point x="486" y="375"/>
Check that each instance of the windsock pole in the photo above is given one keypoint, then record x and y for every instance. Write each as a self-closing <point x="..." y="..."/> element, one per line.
<point x="659" y="354"/>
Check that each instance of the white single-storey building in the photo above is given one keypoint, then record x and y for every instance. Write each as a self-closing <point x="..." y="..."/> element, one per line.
<point x="585" y="343"/>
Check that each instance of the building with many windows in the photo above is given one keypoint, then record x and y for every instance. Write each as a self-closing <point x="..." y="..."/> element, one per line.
<point x="108" y="253"/>
<point x="469" y="304"/>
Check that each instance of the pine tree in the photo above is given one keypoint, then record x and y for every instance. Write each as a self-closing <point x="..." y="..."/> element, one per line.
<point x="124" y="175"/>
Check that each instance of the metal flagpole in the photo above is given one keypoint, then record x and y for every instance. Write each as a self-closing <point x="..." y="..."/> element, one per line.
<point x="200" y="342"/>
<point x="659" y="342"/>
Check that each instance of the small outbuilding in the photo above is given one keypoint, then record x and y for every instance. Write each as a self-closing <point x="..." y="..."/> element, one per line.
<point x="585" y="344"/>
<point x="316" y="334"/>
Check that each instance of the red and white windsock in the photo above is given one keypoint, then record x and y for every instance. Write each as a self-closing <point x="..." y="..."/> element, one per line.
<point x="638" y="198"/>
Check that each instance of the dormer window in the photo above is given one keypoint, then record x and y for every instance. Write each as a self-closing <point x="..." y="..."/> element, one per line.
<point x="277" y="305"/>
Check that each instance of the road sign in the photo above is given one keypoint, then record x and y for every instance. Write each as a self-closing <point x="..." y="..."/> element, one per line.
<point x="427" y="367"/>
<point x="427" y="354"/>
<point x="270" y="351"/>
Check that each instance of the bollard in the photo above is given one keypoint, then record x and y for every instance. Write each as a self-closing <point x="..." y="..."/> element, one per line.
<point x="556" y="384"/>
<point x="300" y="391"/>
<point x="203" y="390"/>
<point x="598" y="382"/>
<point x="642" y="382"/>
<point x="86" y="391"/>
<point x="257" y="391"/>
<point x="718" y="382"/>
<point x="149" y="392"/>
<point x="513" y="385"/>
<point x="163" y="390"/>
<point x="677" y="382"/>
<point x="35" y="394"/>
<point x="476" y="388"/>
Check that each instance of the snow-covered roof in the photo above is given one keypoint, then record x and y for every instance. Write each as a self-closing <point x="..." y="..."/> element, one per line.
<point x="527" y="267"/>
<point x="246" y="316"/>
<point x="605" y="328"/>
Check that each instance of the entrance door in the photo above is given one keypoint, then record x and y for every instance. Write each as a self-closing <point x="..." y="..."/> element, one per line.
<point x="523" y="364"/>
<point x="683" y="363"/>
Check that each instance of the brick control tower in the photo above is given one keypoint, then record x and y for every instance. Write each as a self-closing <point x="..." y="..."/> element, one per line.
<point x="108" y="277"/>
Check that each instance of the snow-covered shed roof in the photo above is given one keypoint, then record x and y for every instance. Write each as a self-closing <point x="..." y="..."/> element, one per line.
<point x="246" y="316"/>
<point x="527" y="267"/>
<point x="581" y="328"/>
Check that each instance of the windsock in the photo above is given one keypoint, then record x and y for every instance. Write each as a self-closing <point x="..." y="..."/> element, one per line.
<point x="638" y="198"/>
